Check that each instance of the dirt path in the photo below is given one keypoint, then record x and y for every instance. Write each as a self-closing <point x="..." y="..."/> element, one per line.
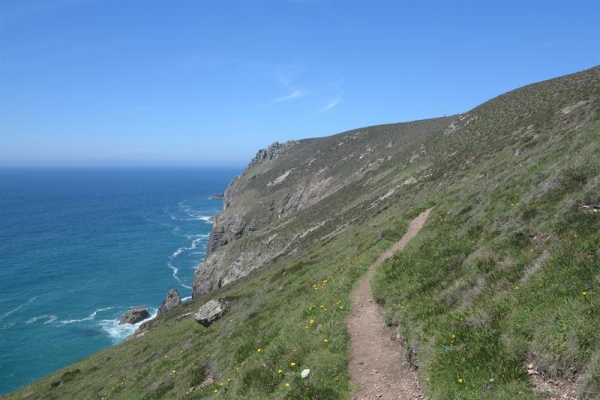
<point x="376" y="365"/>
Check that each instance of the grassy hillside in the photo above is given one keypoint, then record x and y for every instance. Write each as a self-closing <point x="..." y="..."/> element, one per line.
<point x="504" y="277"/>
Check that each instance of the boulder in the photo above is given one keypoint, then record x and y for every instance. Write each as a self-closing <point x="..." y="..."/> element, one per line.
<point x="134" y="315"/>
<point x="171" y="301"/>
<point x="211" y="311"/>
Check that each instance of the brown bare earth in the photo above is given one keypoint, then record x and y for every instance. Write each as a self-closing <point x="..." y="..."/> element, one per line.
<point x="377" y="366"/>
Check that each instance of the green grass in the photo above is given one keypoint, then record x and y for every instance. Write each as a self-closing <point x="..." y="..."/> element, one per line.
<point x="505" y="272"/>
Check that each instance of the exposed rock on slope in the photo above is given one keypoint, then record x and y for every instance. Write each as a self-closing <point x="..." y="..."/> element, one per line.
<point x="171" y="301"/>
<point x="290" y="178"/>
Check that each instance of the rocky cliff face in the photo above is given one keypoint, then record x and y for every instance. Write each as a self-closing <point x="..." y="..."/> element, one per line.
<point x="287" y="179"/>
<point x="236" y="220"/>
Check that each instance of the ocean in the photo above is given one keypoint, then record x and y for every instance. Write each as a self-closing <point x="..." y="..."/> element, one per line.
<point x="78" y="247"/>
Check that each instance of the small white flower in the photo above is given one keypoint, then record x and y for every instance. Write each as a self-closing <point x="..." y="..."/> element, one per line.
<point x="304" y="374"/>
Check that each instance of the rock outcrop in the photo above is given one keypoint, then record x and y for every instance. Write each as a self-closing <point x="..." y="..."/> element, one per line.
<point x="211" y="311"/>
<point x="140" y="331"/>
<point x="172" y="300"/>
<point x="134" y="315"/>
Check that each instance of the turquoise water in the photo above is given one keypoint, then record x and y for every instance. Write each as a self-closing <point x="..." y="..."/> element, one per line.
<point x="78" y="247"/>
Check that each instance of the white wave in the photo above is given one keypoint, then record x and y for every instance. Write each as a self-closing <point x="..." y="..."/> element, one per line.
<point x="117" y="332"/>
<point x="8" y="325"/>
<point x="191" y="217"/>
<point x="186" y="299"/>
<point x="147" y="218"/>
<point x="199" y="236"/>
<point x="48" y="317"/>
<point x="195" y="243"/>
<point x="187" y="213"/>
<point x="208" y="220"/>
<point x="88" y="318"/>
<point x="175" y="272"/>
<point x="179" y="251"/>
<point x="200" y="216"/>
<point x="17" y="308"/>
<point x="199" y="239"/>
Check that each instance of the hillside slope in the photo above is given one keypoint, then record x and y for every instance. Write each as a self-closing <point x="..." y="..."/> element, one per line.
<point x="287" y="179"/>
<point x="502" y="279"/>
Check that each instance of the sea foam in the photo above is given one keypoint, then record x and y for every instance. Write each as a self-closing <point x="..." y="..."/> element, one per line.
<point x="17" y="308"/>
<point x="118" y="332"/>
<point x="48" y="317"/>
<point x="88" y="318"/>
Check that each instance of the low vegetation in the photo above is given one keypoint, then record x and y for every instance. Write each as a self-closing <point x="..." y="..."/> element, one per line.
<point x="499" y="286"/>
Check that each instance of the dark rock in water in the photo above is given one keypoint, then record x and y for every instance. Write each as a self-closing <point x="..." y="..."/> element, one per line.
<point x="134" y="315"/>
<point x="219" y="196"/>
<point x="211" y="311"/>
<point x="171" y="301"/>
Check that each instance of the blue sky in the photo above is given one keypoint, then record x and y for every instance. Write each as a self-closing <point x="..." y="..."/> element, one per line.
<point x="191" y="83"/>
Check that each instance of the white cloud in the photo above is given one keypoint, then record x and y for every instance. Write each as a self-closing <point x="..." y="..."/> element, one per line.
<point x="294" y="95"/>
<point x="286" y="73"/>
<point x="331" y="104"/>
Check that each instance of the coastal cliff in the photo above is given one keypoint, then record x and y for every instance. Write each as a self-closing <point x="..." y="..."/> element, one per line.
<point x="257" y="222"/>
<point x="284" y="180"/>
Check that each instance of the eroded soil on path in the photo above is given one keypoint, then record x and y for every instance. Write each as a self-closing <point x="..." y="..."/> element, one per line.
<point x="377" y="366"/>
